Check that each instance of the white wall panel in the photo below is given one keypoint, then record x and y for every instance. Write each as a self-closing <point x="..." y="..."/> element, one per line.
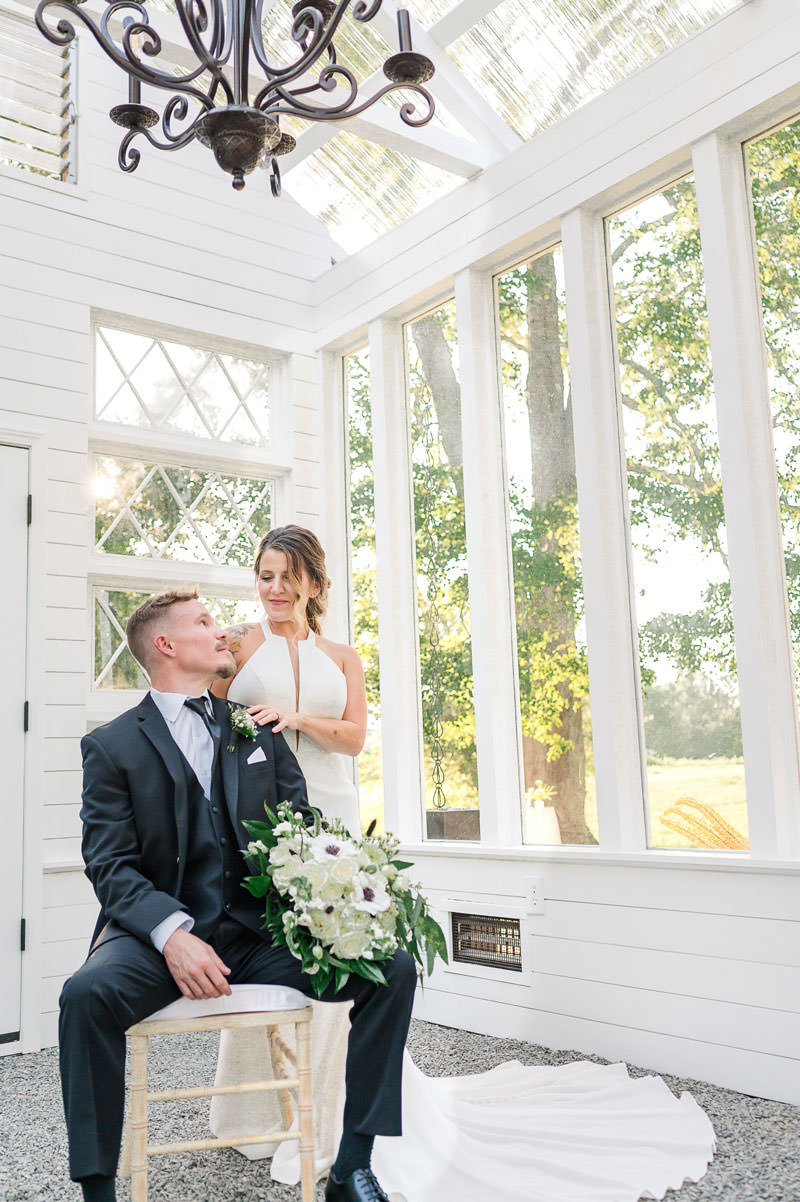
<point x="172" y="245"/>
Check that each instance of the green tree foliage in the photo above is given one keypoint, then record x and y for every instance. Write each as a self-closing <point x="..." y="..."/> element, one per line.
<point x="362" y="522"/>
<point x="691" y="719"/>
<point x="775" y="175"/>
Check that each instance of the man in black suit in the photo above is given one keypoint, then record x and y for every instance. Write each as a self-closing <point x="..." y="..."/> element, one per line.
<point x="166" y="786"/>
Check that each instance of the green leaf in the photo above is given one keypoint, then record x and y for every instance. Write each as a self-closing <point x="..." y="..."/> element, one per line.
<point x="259" y="886"/>
<point x="430" y="952"/>
<point x="260" y="830"/>
<point x="370" y="971"/>
<point x="342" y="977"/>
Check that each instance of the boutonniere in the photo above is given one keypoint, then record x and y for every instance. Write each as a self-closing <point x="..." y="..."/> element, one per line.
<point x="241" y="723"/>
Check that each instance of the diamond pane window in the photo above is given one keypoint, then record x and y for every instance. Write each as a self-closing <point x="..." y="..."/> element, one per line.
<point x="160" y="385"/>
<point x="167" y="512"/>
<point x="535" y="61"/>
<point x="114" y="666"/>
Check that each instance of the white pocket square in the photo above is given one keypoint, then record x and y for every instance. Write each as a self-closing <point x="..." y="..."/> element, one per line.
<point x="257" y="756"/>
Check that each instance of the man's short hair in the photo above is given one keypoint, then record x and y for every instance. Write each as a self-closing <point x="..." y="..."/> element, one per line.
<point x="138" y="629"/>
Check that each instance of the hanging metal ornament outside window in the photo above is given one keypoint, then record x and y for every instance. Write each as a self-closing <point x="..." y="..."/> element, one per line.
<point x="239" y="112"/>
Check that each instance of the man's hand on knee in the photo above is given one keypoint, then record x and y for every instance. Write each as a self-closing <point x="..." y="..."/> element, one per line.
<point x="196" y="968"/>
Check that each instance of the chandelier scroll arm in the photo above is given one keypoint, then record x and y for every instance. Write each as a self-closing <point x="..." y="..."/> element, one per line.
<point x="128" y="157"/>
<point x="325" y="83"/>
<point x="321" y="39"/>
<point x="362" y="11"/>
<point x="194" y="20"/>
<point x="130" y="65"/>
<point x="139" y="29"/>
<point x="313" y="112"/>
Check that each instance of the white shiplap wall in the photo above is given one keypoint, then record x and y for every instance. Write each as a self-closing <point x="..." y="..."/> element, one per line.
<point x="682" y="967"/>
<point x="171" y="244"/>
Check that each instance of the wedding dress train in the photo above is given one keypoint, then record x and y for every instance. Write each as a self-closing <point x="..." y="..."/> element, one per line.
<point x="580" y="1132"/>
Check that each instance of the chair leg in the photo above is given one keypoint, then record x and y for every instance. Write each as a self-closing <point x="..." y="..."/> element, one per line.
<point x="138" y="1118"/>
<point x="124" y="1167"/>
<point x="305" y="1107"/>
<point x="279" y="1070"/>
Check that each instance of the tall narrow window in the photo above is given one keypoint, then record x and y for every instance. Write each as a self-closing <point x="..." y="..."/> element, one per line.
<point x="445" y="642"/>
<point x="361" y="494"/>
<point x="775" y="182"/>
<point x="695" y="772"/>
<point x="548" y="592"/>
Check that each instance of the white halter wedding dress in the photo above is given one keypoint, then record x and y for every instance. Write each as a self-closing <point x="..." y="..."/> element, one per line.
<point x="581" y="1132"/>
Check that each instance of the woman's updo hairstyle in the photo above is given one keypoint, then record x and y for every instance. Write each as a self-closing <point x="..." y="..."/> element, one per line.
<point x="303" y="550"/>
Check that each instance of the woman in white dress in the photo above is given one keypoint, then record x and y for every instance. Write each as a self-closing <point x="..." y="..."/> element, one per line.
<point x="579" y="1133"/>
<point x="290" y="674"/>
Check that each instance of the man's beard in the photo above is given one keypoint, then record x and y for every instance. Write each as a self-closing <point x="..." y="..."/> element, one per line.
<point x="226" y="671"/>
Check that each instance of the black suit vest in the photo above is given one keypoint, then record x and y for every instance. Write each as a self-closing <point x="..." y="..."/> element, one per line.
<point x="212" y="882"/>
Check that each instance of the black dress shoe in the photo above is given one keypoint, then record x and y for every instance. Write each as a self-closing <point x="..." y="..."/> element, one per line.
<point x="360" y="1186"/>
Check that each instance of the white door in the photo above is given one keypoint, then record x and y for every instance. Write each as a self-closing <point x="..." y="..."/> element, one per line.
<point x="13" y="622"/>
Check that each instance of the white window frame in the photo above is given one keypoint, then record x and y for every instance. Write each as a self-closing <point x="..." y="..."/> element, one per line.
<point x="575" y="215"/>
<point x="146" y="574"/>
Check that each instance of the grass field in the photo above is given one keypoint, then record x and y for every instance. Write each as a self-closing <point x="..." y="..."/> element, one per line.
<point x="718" y="783"/>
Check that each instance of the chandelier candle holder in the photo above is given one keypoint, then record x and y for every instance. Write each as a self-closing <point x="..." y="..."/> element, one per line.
<point x="216" y="100"/>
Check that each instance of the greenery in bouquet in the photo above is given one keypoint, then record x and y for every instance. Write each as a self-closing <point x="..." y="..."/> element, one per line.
<point x="341" y="905"/>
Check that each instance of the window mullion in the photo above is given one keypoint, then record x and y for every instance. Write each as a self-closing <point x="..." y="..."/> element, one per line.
<point x="610" y="627"/>
<point x="490" y="585"/>
<point x="758" y="582"/>
<point x="397" y="607"/>
<point x="140" y="574"/>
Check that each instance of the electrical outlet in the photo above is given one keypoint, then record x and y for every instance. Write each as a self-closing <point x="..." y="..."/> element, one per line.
<point x="534" y="895"/>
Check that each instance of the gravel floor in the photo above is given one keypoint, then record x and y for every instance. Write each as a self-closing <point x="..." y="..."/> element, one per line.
<point x="758" y="1142"/>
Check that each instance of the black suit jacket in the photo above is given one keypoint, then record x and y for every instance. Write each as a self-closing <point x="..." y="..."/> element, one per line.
<point x="135" y="809"/>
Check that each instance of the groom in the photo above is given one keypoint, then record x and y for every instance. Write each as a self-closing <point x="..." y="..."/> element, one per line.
<point x="166" y="786"/>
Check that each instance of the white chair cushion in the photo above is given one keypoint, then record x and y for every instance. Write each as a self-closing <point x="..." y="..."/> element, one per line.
<point x="243" y="999"/>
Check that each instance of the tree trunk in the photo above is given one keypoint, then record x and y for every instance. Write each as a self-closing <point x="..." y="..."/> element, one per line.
<point x="437" y="367"/>
<point x="553" y="473"/>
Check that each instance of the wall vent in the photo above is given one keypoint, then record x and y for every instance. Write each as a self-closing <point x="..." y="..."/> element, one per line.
<point x="486" y="939"/>
<point x="36" y="90"/>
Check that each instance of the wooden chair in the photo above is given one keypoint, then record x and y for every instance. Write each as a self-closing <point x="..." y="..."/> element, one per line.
<point x="248" y="1006"/>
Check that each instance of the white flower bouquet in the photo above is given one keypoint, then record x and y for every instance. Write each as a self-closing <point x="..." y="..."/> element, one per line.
<point x="341" y="905"/>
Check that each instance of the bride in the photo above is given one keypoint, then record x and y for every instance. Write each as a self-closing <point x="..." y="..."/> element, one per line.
<point x="582" y="1132"/>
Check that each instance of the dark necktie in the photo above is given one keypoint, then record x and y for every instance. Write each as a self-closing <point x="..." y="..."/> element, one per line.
<point x="198" y="705"/>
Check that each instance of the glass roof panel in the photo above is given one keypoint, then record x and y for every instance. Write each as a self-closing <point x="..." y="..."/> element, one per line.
<point x="358" y="46"/>
<point x="359" y="190"/>
<point x="428" y="12"/>
<point x="536" y="61"/>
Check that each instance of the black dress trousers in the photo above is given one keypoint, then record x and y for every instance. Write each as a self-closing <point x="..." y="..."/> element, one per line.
<point x="124" y="981"/>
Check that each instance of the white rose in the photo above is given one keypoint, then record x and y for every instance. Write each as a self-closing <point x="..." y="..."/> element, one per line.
<point x="352" y="944"/>
<point x="284" y="851"/>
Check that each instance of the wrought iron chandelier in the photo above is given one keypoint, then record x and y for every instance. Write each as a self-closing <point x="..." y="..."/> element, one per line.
<point x="237" y="113"/>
